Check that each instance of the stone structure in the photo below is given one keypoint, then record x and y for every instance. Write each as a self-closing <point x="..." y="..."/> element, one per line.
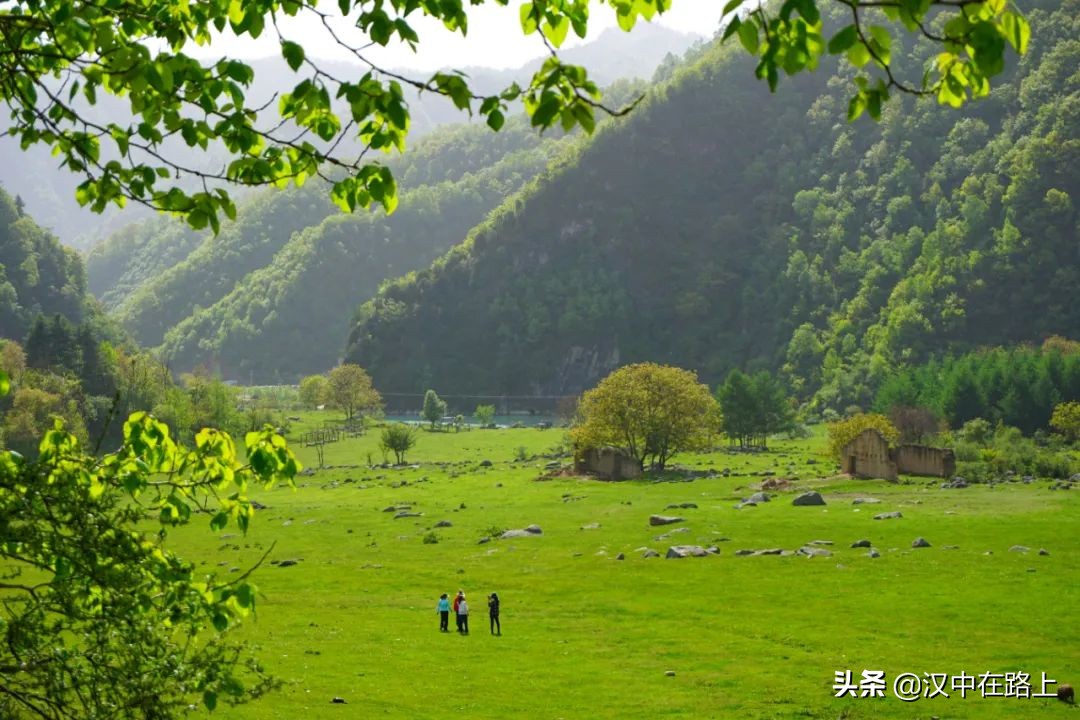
<point x="608" y="463"/>
<point x="870" y="456"/>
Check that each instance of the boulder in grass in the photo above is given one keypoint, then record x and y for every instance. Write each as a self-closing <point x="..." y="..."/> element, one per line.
<point x="920" y="542"/>
<point x="685" y="551"/>
<point x="757" y="498"/>
<point x="896" y="514"/>
<point x="534" y="530"/>
<point x="809" y="498"/>
<point x="861" y="544"/>
<point x="655" y="520"/>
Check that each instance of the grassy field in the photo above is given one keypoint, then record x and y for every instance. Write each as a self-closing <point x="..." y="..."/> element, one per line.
<point x="589" y="636"/>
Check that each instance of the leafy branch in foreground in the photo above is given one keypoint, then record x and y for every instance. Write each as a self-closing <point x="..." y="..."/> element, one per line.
<point x="99" y="619"/>
<point x="972" y="35"/>
<point x="58" y="56"/>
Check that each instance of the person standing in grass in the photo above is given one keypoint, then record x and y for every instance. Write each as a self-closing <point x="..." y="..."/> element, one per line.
<point x="443" y="609"/>
<point x="493" y="613"/>
<point x="463" y="615"/>
<point x="457" y="602"/>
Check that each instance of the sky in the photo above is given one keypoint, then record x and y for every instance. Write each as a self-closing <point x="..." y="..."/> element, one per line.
<point x="494" y="39"/>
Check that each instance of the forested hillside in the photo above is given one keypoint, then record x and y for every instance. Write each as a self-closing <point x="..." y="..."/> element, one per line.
<point x="291" y="317"/>
<point x="721" y="226"/>
<point x="37" y="274"/>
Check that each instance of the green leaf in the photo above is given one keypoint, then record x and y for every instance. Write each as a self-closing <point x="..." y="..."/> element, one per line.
<point x="858" y="55"/>
<point x="528" y="18"/>
<point x="748" y="36"/>
<point x="209" y="699"/>
<point x="293" y="54"/>
<point x="1017" y="31"/>
<point x="731" y="6"/>
<point x="556" y="32"/>
<point x="843" y="40"/>
<point x="5" y="384"/>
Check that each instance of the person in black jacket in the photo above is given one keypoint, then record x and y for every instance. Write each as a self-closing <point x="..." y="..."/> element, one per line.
<point x="493" y="614"/>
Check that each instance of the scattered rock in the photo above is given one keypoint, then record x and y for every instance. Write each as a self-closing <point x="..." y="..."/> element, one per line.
<point x="534" y="530"/>
<point x="1044" y="551"/>
<point x="655" y="520"/>
<point x="406" y="514"/>
<point x="514" y="534"/>
<point x="287" y="563"/>
<point x="483" y="541"/>
<point x="920" y="542"/>
<point x="865" y="501"/>
<point x="873" y="553"/>
<point x="682" y="506"/>
<point x="1020" y="548"/>
<point x="665" y="536"/>
<point x="820" y="542"/>
<point x="392" y="508"/>
<point x="741" y="505"/>
<point x="809" y="498"/>
<point x="955" y="483"/>
<point x="770" y="551"/>
<point x="758" y="497"/>
<point x="669" y="673"/>
<point x="591" y="526"/>
<point x="255" y="504"/>
<point x="742" y="553"/>
<point x="684" y="551"/>
<point x="650" y="554"/>
<point x="809" y="551"/>
<point x="889" y="515"/>
<point x="485" y="463"/>
<point x="620" y="556"/>
<point x="339" y="701"/>
<point x="861" y="544"/>
<point x="950" y="547"/>
<point x="444" y="523"/>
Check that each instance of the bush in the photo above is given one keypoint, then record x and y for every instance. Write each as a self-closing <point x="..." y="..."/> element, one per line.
<point x="399" y="439"/>
<point x="431" y="538"/>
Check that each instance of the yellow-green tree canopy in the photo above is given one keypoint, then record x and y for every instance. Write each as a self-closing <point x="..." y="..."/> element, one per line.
<point x="350" y="389"/>
<point x="651" y="411"/>
<point x="1066" y="420"/>
<point x="846" y="430"/>
<point x="59" y="57"/>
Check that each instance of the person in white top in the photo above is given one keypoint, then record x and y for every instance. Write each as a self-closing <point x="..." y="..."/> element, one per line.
<point x="463" y="615"/>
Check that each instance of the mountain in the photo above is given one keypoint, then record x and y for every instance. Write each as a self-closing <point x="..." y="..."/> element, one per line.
<point x="38" y="276"/>
<point x="49" y="191"/>
<point x="719" y="226"/>
<point x="290" y="318"/>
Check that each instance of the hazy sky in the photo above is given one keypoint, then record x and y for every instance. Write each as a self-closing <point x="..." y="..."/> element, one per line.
<point x="494" y="39"/>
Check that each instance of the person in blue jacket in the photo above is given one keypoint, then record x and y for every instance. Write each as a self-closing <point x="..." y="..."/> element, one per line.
<point x="443" y="609"/>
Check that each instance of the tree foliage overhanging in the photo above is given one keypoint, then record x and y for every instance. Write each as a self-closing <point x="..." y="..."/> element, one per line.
<point x="102" y="621"/>
<point x="58" y="58"/>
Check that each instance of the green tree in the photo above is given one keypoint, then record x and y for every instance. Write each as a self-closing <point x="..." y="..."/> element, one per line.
<point x="1066" y="420"/>
<point x="398" y="438"/>
<point x="314" y="390"/>
<point x="94" y="597"/>
<point x="485" y="415"/>
<point x="350" y="389"/>
<point x="434" y="408"/>
<point x="178" y="103"/>
<point x="651" y="411"/>
<point x="738" y="407"/>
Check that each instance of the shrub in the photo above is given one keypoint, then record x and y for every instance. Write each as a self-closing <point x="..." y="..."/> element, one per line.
<point x="398" y="438"/>
<point x="431" y="538"/>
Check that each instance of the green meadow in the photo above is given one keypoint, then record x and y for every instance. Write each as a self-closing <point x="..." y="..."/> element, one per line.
<point x="586" y="635"/>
